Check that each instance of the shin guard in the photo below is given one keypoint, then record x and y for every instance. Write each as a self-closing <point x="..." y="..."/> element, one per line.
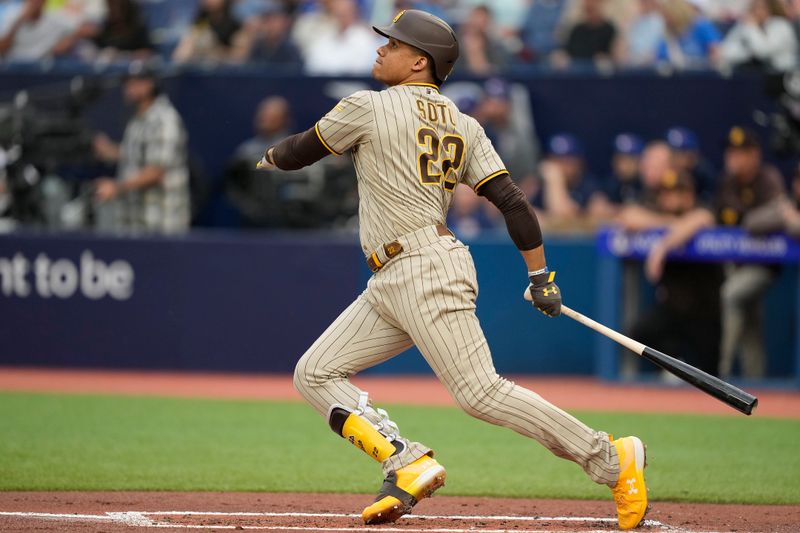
<point x="354" y="427"/>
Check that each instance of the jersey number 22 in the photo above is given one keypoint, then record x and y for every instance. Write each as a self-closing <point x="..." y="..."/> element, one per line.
<point x="440" y="161"/>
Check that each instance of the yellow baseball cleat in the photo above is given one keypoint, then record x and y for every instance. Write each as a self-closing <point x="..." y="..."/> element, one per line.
<point x="403" y="489"/>
<point x="630" y="493"/>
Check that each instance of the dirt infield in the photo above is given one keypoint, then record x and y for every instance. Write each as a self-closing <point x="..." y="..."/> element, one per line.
<point x="151" y="511"/>
<point x="139" y="512"/>
<point x="567" y="393"/>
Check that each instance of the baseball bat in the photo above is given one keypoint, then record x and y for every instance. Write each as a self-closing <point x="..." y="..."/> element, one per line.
<point x="712" y="385"/>
<point x="722" y="390"/>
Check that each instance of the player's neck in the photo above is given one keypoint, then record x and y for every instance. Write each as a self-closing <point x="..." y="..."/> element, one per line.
<point x="417" y="77"/>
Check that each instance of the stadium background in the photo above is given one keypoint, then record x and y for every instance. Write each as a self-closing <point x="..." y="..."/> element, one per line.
<point x="240" y="303"/>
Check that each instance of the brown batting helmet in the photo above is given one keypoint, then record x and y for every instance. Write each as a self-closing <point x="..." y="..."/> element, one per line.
<point x="427" y="32"/>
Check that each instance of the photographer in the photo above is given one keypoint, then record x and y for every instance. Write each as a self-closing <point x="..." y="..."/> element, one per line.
<point x="151" y="190"/>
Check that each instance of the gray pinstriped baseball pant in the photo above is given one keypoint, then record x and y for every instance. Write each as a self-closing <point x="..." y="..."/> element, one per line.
<point x="426" y="296"/>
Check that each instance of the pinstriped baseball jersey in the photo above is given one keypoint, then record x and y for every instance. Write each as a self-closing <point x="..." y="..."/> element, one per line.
<point x="411" y="146"/>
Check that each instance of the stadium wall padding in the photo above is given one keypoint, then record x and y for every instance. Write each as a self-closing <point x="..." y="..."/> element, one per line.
<point x="255" y="302"/>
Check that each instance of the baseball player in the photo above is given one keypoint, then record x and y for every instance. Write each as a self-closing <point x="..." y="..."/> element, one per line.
<point x="411" y="146"/>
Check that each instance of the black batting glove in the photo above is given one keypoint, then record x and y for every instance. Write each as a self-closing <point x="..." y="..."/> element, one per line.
<point x="545" y="294"/>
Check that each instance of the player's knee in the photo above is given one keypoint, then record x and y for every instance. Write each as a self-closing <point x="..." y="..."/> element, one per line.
<point x="304" y="379"/>
<point x="479" y="400"/>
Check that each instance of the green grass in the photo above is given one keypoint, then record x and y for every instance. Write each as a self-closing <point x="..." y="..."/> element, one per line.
<point x="84" y="442"/>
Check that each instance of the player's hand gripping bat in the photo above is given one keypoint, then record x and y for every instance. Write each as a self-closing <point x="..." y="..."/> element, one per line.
<point x="723" y="391"/>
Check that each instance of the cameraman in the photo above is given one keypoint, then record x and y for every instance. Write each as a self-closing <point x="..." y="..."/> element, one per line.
<point x="151" y="189"/>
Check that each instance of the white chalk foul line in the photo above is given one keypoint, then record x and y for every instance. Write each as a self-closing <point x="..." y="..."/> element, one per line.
<point x="140" y="518"/>
<point x="508" y="518"/>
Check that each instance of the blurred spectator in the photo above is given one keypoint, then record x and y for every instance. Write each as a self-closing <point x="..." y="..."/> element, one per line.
<point x="267" y="32"/>
<point x="508" y="15"/>
<point x="34" y="33"/>
<point x="151" y="189"/>
<point x="349" y="49"/>
<point x="748" y="185"/>
<point x="482" y="50"/>
<point x="619" y="12"/>
<point x="271" y="125"/>
<point x="314" y="24"/>
<point x="539" y="30"/>
<point x="762" y="40"/>
<point x="469" y="215"/>
<point x="685" y="319"/>
<point x="687" y="157"/>
<point x="383" y="10"/>
<point x="793" y="15"/>
<point x="569" y="190"/>
<point x="723" y="12"/>
<point x="123" y="33"/>
<point x="624" y="186"/>
<point x="654" y="164"/>
<point x="644" y="35"/>
<point x="511" y="131"/>
<point x="85" y="17"/>
<point x="690" y="40"/>
<point x="215" y="36"/>
<point x="591" y="39"/>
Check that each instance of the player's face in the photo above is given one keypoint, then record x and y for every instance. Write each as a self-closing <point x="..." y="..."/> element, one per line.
<point x="395" y="62"/>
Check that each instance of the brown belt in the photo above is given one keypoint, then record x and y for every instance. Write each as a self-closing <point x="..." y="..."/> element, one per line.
<point x="394" y="248"/>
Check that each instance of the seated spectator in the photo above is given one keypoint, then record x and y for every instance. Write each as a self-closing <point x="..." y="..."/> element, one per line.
<point x="686" y="157"/>
<point x="690" y="40"/>
<point x="624" y="186"/>
<point x="538" y="31"/>
<point x="748" y="184"/>
<point x="350" y="49"/>
<point x="86" y="18"/>
<point x="569" y="190"/>
<point x="123" y="34"/>
<point x="763" y="40"/>
<point x="591" y="40"/>
<point x="482" y="50"/>
<point x="215" y="36"/>
<point x="312" y="25"/>
<point x="151" y="190"/>
<point x="685" y="317"/>
<point x="268" y="38"/>
<point x="511" y="131"/>
<point x="34" y="33"/>
<point x="644" y="35"/>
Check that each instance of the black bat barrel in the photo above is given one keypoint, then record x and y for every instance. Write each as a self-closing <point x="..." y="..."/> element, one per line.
<point x="722" y="390"/>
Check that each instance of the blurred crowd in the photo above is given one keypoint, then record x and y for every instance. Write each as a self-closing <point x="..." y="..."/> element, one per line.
<point x="334" y="36"/>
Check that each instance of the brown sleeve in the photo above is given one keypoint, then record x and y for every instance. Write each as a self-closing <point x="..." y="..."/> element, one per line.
<point x="298" y="150"/>
<point x="521" y="220"/>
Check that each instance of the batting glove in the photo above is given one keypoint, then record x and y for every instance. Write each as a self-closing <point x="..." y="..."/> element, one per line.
<point x="545" y="294"/>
